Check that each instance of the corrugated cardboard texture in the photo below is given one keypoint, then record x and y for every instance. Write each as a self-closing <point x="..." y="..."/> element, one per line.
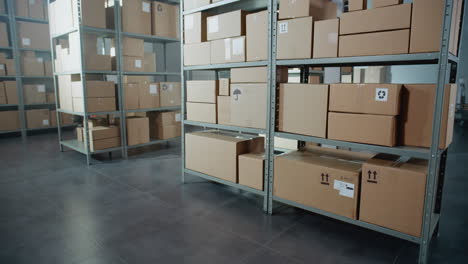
<point x="170" y="94"/>
<point x="380" y="43"/>
<point x="133" y="64"/>
<point x="131" y="92"/>
<point x="248" y="105"/>
<point x="148" y="95"/>
<point x="224" y="86"/>
<point x="33" y="35"/>
<point x="426" y="26"/>
<point x="165" y="20"/>
<point x="149" y="62"/>
<point x="133" y="47"/>
<point x="294" y="38"/>
<point x="249" y="75"/>
<point x="227" y="25"/>
<point x="195" y="28"/>
<point x="10" y="120"/>
<point x="251" y="167"/>
<point x="104" y="143"/>
<point x="37" y="118"/>
<point x="202" y="91"/>
<point x="382" y="3"/>
<point x="224" y="110"/>
<point x="197" y="54"/>
<point x="136" y="16"/>
<point x="356" y="5"/>
<point x="326" y="38"/>
<point x="164" y="125"/>
<point x="303" y="109"/>
<point x="137" y="130"/>
<point x="201" y="112"/>
<point x="228" y="50"/>
<point x="33" y="66"/>
<point x="191" y="4"/>
<point x="319" y="9"/>
<point x="392" y="193"/>
<point x="101" y="132"/>
<point x="257" y="36"/>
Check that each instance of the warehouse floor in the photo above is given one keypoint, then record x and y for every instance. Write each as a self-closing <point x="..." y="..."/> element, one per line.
<point x="53" y="209"/>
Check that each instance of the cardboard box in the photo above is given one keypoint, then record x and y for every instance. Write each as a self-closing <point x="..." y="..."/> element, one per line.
<point x="170" y="94"/>
<point x="104" y="143"/>
<point x="257" y="36"/>
<point x="50" y="98"/>
<point x="133" y="47"/>
<point x="101" y="137"/>
<point x="321" y="181"/>
<point x="11" y="92"/>
<point x="303" y="109"/>
<point x="362" y="128"/>
<point x="2" y="7"/>
<point x="216" y="153"/>
<point x="149" y="62"/>
<point x="37" y="118"/>
<point x="93" y="88"/>
<point x="456" y="27"/>
<point x="10" y="120"/>
<point x="33" y="66"/>
<point x="249" y="75"/>
<point x="356" y="5"/>
<point x="319" y="9"/>
<point x="79" y="134"/>
<point x="3" y="100"/>
<point x="95" y="104"/>
<point x="224" y="110"/>
<point x="202" y="112"/>
<point x="251" y="170"/>
<point x="289" y="33"/>
<point x="148" y="95"/>
<point x="383" y="3"/>
<point x="137" y="130"/>
<point x="22" y="8"/>
<point x="33" y="35"/>
<point x="167" y="132"/>
<point x="48" y="68"/>
<point x="165" y="20"/>
<point x="35" y="94"/>
<point x="227" y="25"/>
<point x="133" y="64"/>
<point x="136" y="17"/>
<point x="392" y="193"/>
<point x="228" y="50"/>
<point x="165" y="125"/>
<point x="10" y="67"/>
<point x="4" y="39"/>
<point x="379" y="43"/>
<point x="378" y="99"/>
<point x="191" y="4"/>
<point x="195" y="28"/>
<point x="94" y="13"/>
<point x="326" y="38"/>
<point x="202" y="91"/>
<point x="64" y="83"/>
<point x="132" y="98"/>
<point x="248" y="105"/>
<point x="416" y="119"/>
<point x="224" y="86"/>
<point x="197" y="54"/>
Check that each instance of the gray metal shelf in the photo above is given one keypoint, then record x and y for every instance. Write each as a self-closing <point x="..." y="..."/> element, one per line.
<point x="158" y="109"/>
<point x="152" y="73"/>
<point x="87" y="72"/>
<point x="35" y="77"/>
<point x="225" y="127"/>
<point x="35" y="50"/>
<point x="33" y="20"/>
<point x="80" y="147"/>
<point x="210" y="6"/>
<point x="94" y="30"/>
<point x="88" y="113"/>
<point x="6" y="48"/>
<point x="149" y="38"/>
<point x="153" y="142"/>
<point x="10" y="131"/>
<point x="226" y="65"/>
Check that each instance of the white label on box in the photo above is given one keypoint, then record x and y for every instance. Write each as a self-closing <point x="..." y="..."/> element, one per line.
<point x="153" y="89"/>
<point x="237" y="46"/>
<point x="146" y="7"/>
<point x="45" y="122"/>
<point x="381" y="94"/>
<point x="333" y="38"/>
<point x="41" y="88"/>
<point x="137" y="63"/>
<point x="213" y="26"/>
<point x="171" y="101"/>
<point x="2" y="67"/>
<point x="171" y="87"/>
<point x="188" y="22"/>
<point x="177" y="117"/>
<point x="40" y="60"/>
<point x="227" y="49"/>
<point x="26" y="41"/>
<point x="236" y="94"/>
<point x="345" y="188"/>
<point x="283" y="27"/>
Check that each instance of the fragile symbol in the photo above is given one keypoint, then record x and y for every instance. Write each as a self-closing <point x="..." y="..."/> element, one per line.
<point x="324" y="179"/>
<point x="237" y="92"/>
<point x="372" y="176"/>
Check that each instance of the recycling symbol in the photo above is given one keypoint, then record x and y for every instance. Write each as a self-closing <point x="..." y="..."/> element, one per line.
<point x="164" y="87"/>
<point x="381" y="94"/>
<point x="160" y="9"/>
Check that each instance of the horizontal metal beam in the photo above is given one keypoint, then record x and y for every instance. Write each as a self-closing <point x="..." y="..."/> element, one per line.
<point x="226" y="66"/>
<point x="88" y="114"/>
<point x="29" y="19"/>
<point x="210" y="6"/>
<point x="159" y="109"/>
<point x="150" y="38"/>
<point x="152" y="73"/>
<point x="153" y="142"/>
<point x="80" y="147"/>
<point x="225" y="127"/>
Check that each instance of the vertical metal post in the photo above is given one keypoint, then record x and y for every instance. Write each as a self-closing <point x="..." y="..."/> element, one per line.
<point x="434" y="160"/>
<point x="182" y="85"/>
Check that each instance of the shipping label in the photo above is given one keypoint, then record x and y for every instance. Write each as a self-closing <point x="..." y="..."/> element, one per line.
<point x="45" y="122"/>
<point x="146" y="7"/>
<point x="41" y="88"/>
<point x="137" y="63"/>
<point x="153" y="89"/>
<point x="381" y="94"/>
<point x="26" y="41"/>
<point x="213" y="26"/>
<point x="345" y="189"/>
<point x="237" y="46"/>
<point x="177" y="117"/>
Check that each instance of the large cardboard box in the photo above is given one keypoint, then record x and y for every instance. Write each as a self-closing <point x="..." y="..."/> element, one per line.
<point x="10" y="67"/>
<point x="416" y="119"/>
<point x="148" y="94"/>
<point x="132" y="98"/>
<point x="202" y="91"/>
<point x="37" y="118"/>
<point x="251" y="170"/>
<point x="101" y="137"/>
<point x="378" y="99"/>
<point x="249" y="75"/>
<point x="294" y="40"/>
<point x="95" y="104"/>
<point x="165" y="125"/>
<point x="165" y="20"/>
<point x="257" y="36"/>
<point x="319" y="9"/>
<point x="65" y="91"/>
<point x="136" y="16"/>
<point x="94" y="13"/>
<point x="326" y="38"/>
<point x="224" y="110"/>
<point x="32" y="65"/>
<point x="133" y="64"/>
<point x="93" y="88"/>
<point x="33" y="35"/>
<point x="228" y="50"/>
<point x="170" y="94"/>
<point x="379" y="43"/>
<point x="362" y="128"/>
<point x="35" y="94"/>
<point x="456" y="26"/>
<point x="137" y="130"/>
<point x="382" y="3"/>
<point x="197" y="54"/>
<point x="248" y="105"/>
<point x="224" y="86"/>
<point x="303" y="109"/>
<point x="4" y="39"/>
<point x="356" y="5"/>
<point x="377" y="19"/>
<point x="227" y="25"/>
<point x="10" y="120"/>
<point x="11" y="92"/>
<point x="195" y="28"/>
<point x="320" y="181"/>
<point x="392" y="193"/>
<point x="133" y="47"/>
<point x="191" y="4"/>
<point x="216" y="153"/>
<point x="22" y="8"/>
<point x="202" y="112"/>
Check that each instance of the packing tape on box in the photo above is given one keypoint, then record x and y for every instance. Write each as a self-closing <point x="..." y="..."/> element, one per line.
<point x="227" y="49"/>
<point x="283" y="27"/>
<point x="26" y="41"/>
<point x="237" y="46"/>
<point x="188" y="22"/>
<point x="137" y="63"/>
<point x="213" y="26"/>
<point x="45" y="122"/>
<point x="153" y="89"/>
<point x="41" y="88"/>
<point x="177" y="117"/>
<point x="146" y="7"/>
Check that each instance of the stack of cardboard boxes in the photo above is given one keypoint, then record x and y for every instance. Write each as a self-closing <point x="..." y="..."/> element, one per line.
<point x="7" y="66"/>
<point x="135" y="59"/>
<point x="10" y="120"/>
<point x="33" y="9"/>
<point x="165" y="125"/>
<point x="34" y="65"/>
<point x="141" y="93"/>
<point x="201" y="100"/>
<point x="101" y="134"/>
<point x="8" y="93"/>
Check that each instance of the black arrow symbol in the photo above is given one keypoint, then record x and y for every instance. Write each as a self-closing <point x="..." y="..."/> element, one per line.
<point x="369" y="173"/>
<point x="327" y="177"/>
<point x="375" y="175"/>
<point x="322" y="176"/>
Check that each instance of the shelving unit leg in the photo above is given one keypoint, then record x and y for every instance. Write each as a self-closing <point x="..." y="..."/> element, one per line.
<point x="183" y="93"/>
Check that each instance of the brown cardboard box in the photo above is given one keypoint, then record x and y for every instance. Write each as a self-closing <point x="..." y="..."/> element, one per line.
<point x="379" y="43"/>
<point x="164" y="125"/>
<point x="136" y="16"/>
<point x="165" y="20"/>
<point x="216" y="153"/>
<point x="248" y="105"/>
<point x="356" y="5"/>
<point x="224" y="110"/>
<point x="377" y="99"/>
<point x="133" y="47"/>
<point x="314" y="79"/>
<point x="66" y="119"/>
<point x="149" y="62"/>
<point x="167" y="132"/>
<point x="104" y="137"/>
<point x="202" y="112"/>
<point x="10" y="67"/>
<point x="79" y="134"/>
<point x="382" y="3"/>
<point x="94" y="13"/>
<point x="93" y="88"/>
<point x="133" y="64"/>
<point x="35" y="94"/>
<point x="249" y="75"/>
<point x="148" y="95"/>
<point x="137" y="130"/>
<point x="4" y="39"/>
<point x="48" y="68"/>
<point x="132" y="91"/>
<point x="289" y="33"/>
<point x="50" y="98"/>
<point x="191" y="4"/>
<point x="11" y="92"/>
<point x="10" y="120"/>
<point x="37" y="118"/>
<point x="227" y="25"/>
<point x="197" y="54"/>
<point x="416" y="119"/>
<point x="251" y="170"/>
<point x="326" y="38"/>
<point x="95" y="104"/>
<point x="257" y="36"/>
<point x="2" y="69"/>
<point x="36" y="9"/>
<point x="319" y="9"/>
<point x="22" y="8"/>
<point x="224" y="86"/>
<point x="362" y="128"/>
<point x="392" y="193"/>
<point x="104" y="143"/>
<point x="3" y="100"/>
<point x="33" y="66"/>
<point x="378" y="19"/>
<point x="456" y="24"/>
<point x="202" y="91"/>
<point x="170" y="94"/>
<point x="96" y="62"/>
<point x="2" y="7"/>
<point x="33" y="35"/>
<point x="321" y="181"/>
<point x="303" y="109"/>
<point x="195" y="28"/>
<point x="228" y="50"/>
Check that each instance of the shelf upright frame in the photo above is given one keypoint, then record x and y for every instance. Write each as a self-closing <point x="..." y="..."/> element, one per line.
<point x="183" y="113"/>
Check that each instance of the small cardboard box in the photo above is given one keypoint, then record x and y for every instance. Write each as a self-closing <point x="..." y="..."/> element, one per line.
<point x="22" y="8"/>
<point x="224" y="110"/>
<point x="149" y="62"/>
<point x="132" y="98"/>
<point x="95" y="104"/>
<point x="379" y="43"/>
<point x="170" y="94"/>
<point x="303" y="109"/>
<point x="319" y="9"/>
<point x="251" y="170"/>
<point x="227" y="25"/>
<point x="167" y="132"/>
<point x="11" y="92"/>
<point x="248" y="105"/>
<point x="377" y="99"/>
<point x="192" y="4"/>
<point x="137" y="130"/>
<point x="33" y="66"/>
<point x="356" y="5"/>
<point x="197" y="54"/>
<point x="326" y="38"/>
<point x="136" y="17"/>
<point x="224" y="86"/>
<point x="51" y="98"/>
<point x="383" y="3"/>
<point x="101" y="137"/>
<point x="257" y="36"/>
<point x="94" y="13"/>
<point x="133" y="47"/>
<point x="10" y="67"/>
<point x="4" y="39"/>
<point x="203" y="148"/>
<point x="392" y="193"/>
<point x="148" y="95"/>
<point x="228" y="50"/>
<point x="195" y="28"/>
<point x="33" y="35"/>
<point x="362" y="128"/>
<point x="10" y="120"/>
<point x="202" y="91"/>
<point x="165" y="20"/>
<point x="133" y="64"/>
<point x="165" y="125"/>
<point x="249" y="75"/>
<point x="294" y="40"/>
<point x="202" y="112"/>
<point x="93" y="88"/>
<point x="37" y="118"/>
<point x="35" y="93"/>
